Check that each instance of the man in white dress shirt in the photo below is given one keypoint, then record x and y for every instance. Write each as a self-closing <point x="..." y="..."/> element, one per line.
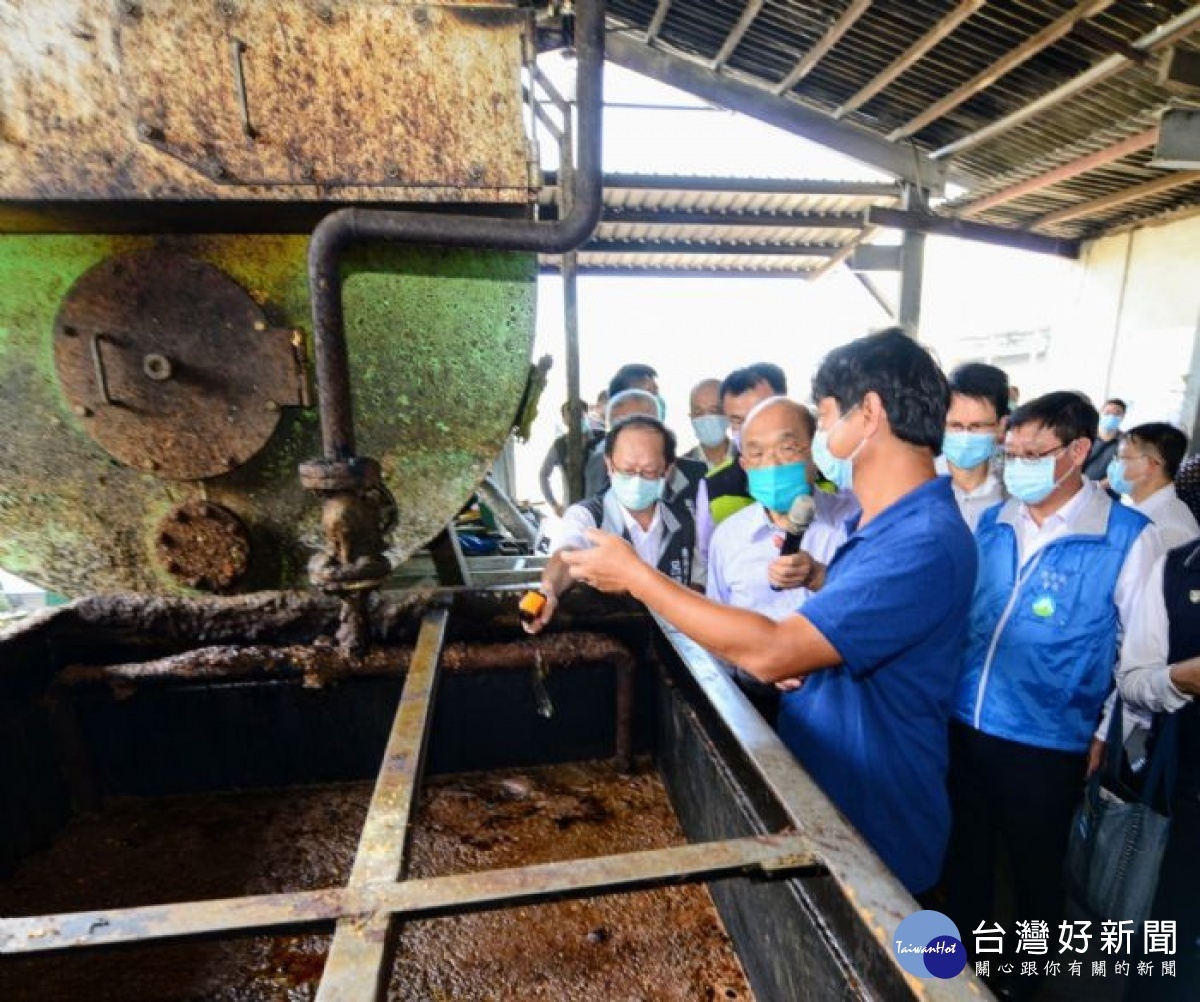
<point x="1144" y="469"/>
<point x="745" y="568"/>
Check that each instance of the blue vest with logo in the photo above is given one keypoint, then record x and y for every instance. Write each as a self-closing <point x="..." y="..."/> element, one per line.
<point x="1042" y="639"/>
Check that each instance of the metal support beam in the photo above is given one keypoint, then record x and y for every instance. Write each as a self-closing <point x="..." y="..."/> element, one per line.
<point x="1082" y="165"/>
<point x="841" y="256"/>
<point x="911" y="56"/>
<point x="885" y="304"/>
<point x="734" y="38"/>
<point x="809" y="60"/>
<point x="738" y="185"/>
<point x="872" y="257"/>
<point x="912" y="269"/>
<point x="656" y="22"/>
<point x="458" y="894"/>
<point x="361" y="954"/>
<point x="782" y="112"/>
<point x="1173" y="30"/>
<point x="448" y="558"/>
<point x="506" y="511"/>
<point x="943" y="226"/>
<point x="1052" y="33"/>
<point x="1118" y="198"/>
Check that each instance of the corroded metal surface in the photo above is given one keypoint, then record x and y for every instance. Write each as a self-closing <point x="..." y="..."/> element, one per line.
<point x="439" y="344"/>
<point x="170" y="365"/>
<point x="266" y="100"/>
<point x="203" y="545"/>
<point x="665" y="945"/>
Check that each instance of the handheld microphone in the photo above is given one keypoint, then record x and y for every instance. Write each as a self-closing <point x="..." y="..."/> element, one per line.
<point x="799" y="518"/>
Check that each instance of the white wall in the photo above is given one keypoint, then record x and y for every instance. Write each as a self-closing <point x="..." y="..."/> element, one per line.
<point x="1135" y="330"/>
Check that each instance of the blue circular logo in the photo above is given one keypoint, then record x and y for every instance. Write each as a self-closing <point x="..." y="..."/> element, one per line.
<point x="927" y="944"/>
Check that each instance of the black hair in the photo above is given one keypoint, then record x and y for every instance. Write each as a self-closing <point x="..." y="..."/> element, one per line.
<point x="1168" y="441"/>
<point x="641" y="421"/>
<point x="913" y="388"/>
<point x="1068" y="414"/>
<point x="742" y="380"/>
<point x="629" y="376"/>
<point x="1119" y="402"/>
<point x="981" y="381"/>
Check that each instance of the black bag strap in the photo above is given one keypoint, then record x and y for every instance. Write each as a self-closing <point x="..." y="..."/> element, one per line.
<point x="1163" y="770"/>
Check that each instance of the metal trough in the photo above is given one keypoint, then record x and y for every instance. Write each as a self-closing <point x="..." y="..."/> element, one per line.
<point x="122" y="696"/>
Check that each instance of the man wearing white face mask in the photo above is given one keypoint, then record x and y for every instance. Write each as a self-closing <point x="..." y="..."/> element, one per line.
<point x="1144" y="469"/>
<point x="974" y="427"/>
<point x="710" y="425"/>
<point x="1060" y="569"/>
<point x="640" y="455"/>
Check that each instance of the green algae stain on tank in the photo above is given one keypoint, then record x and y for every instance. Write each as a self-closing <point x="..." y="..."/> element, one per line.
<point x="439" y="344"/>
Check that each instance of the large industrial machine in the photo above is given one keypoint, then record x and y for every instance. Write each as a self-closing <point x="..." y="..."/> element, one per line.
<point x="266" y="311"/>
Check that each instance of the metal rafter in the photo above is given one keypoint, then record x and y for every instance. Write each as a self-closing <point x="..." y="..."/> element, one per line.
<point x="915" y="221"/>
<point x="1118" y="198"/>
<point x="1173" y="30"/>
<point x="784" y="220"/>
<point x="656" y="22"/>
<point x="734" y="38"/>
<point x="1065" y="172"/>
<point x="809" y="60"/>
<point x="1052" y="33"/>
<point x="912" y="55"/>
<point x="652" y="246"/>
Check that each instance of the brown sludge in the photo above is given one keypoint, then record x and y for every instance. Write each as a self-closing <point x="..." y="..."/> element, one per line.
<point x="656" y="946"/>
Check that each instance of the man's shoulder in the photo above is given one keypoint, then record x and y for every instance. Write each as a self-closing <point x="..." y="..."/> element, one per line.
<point x="739" y="526"/>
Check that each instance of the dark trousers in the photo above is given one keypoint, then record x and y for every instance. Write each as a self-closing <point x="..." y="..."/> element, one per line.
<point x="1019" y="799"/>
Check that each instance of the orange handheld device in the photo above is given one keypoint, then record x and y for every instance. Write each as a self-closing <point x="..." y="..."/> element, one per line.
<point x="531" y="606"/>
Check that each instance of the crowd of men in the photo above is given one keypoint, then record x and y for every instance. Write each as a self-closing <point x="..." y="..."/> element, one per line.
<point x="977" y="584"/>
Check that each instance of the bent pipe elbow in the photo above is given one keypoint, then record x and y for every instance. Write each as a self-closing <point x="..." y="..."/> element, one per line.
<point x="343" y="228"/>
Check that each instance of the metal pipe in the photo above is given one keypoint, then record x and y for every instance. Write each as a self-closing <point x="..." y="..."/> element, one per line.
<point x="506" y="511"/>
<point x="342" y="229"/>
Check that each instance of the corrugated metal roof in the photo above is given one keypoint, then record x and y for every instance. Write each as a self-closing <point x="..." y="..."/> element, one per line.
<point x="1119" y="104"/>
<point x="694" y="225"/>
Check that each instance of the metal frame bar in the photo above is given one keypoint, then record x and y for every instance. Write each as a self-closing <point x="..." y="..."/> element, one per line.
<point x="1065" y="172"/>
<point x="1178" y="27"/>
<point x="651" y="245"/>
<point x="657" y="21"/>
<point x="683" y="217"/>
<point x="1053" y="32"/>
<point x="433" y="897"/>
<point x="734" y="38"/>
<point x="361" y="954"/>
<point x="911" y="56"/>
<point x="808" y="62"/>
<point x="1119" y="198"/>
<point x="927" y="222"/>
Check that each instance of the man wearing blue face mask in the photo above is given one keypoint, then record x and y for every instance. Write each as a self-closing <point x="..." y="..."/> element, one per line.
<point x="1060" y="569"/>
<point x="879" y="641"/>
<point x="974" y="427"/>
<point x="1112" y="413"/>
<point x="640" y="455"/>
<point x="710" y="425"/>
<point x="745" y="569"/>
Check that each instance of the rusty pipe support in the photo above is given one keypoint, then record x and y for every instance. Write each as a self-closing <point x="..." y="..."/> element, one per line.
<point x="342" y="229"/>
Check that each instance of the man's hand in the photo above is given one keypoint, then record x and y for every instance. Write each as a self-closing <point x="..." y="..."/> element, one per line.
<point x="543" y="618"/>
<point x="610" y="564"/>
<point x="1096" y="752"/>
<point x="1186" y="676"/>
<point x="798" y="570"/>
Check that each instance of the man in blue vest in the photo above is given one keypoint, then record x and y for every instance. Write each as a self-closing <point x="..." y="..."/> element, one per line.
<point x="879" y="640"/>
<point x="1060" y="569"/>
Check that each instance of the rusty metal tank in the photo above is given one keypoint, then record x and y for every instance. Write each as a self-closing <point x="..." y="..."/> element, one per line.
<point x="162" y="165"/>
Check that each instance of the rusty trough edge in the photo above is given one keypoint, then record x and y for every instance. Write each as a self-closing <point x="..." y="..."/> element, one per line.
<point x="772" y="856"/>
<point x="362" y="951"/>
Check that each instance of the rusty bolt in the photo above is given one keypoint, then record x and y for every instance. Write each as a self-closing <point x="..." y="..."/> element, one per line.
<point x="145" y="130"/>
<point x="226" y="9"/>
<point x="308" y="172"/>
<point x="131" y="9"/>
<point x="218" y="170"/>
<point x="421" y="15"/>
<point x="259" y="325"/>
<point x="149" y="464"/>
<point x="326" y="14"/>
<point x="272" y="406"/>
<point x="393" y="172"/>
<point x="476" y="171"/>
<point x="157" y="367"/>
<point x="81" y="411"/>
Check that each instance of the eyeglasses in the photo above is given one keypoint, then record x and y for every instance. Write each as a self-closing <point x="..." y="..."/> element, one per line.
<point x="781" y="453"/>
<point x="644" y="474"/>
<point x="1033" y="457"/>
<point x="1135" y="456"/>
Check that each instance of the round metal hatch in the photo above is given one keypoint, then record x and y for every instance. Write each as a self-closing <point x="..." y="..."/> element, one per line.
<point x="170" y="364"/>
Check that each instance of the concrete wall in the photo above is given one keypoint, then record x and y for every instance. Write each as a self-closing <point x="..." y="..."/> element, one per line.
<point x="1135" y="330"/>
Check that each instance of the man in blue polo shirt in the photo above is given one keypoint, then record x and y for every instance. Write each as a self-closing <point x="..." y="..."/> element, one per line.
<point x="879" y="642"/>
